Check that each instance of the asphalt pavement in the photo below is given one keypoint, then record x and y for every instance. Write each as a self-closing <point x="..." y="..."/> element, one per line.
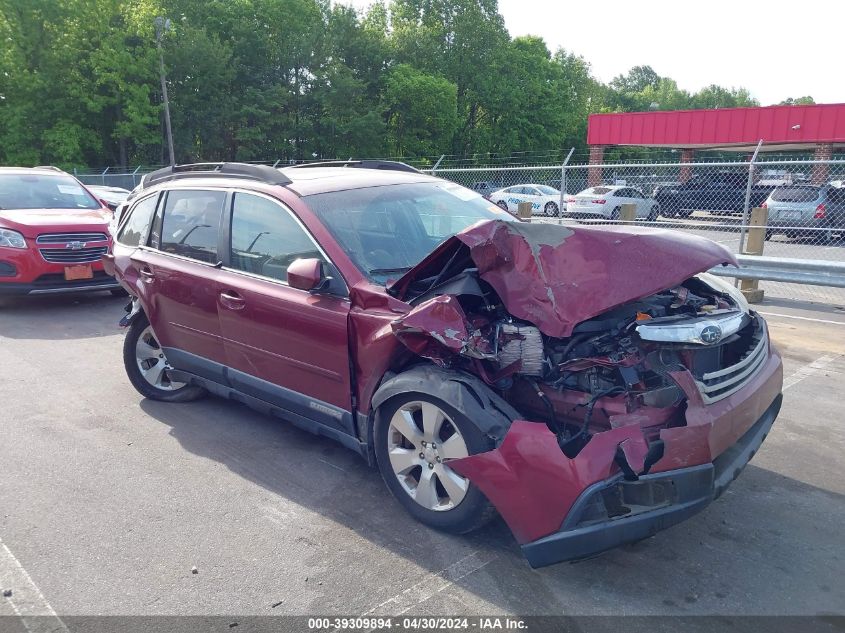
<point x="114" y="505"/>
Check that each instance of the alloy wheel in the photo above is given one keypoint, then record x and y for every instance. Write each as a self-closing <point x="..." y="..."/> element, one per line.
<point x="152" y="363"/>
<point x="420" y="438"/>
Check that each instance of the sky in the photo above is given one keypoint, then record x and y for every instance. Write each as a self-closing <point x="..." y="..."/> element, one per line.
<point x="776" y="49"/>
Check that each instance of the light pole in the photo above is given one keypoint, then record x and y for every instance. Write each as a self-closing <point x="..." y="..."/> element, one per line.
<point x="162" y="26"/>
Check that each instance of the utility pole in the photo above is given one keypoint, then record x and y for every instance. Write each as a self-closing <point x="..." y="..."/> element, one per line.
<point x="162" y="25"/>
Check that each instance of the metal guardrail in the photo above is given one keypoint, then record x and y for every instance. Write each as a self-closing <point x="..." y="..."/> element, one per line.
<point x="815" y="272"/>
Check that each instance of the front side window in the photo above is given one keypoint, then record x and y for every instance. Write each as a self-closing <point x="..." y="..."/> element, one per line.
<point x="137" y="227"/>
<point x="266" y="238"/>
<point x="191" y="224"/>
<point x="44" y="191"/>
<point x="386" y="230"/>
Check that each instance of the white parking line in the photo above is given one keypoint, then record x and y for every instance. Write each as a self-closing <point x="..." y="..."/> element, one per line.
<point x="26" y="601"/>
<point x="432" y="584"/>
<point x="810" y="369"/>
<point x="800" y="318"/>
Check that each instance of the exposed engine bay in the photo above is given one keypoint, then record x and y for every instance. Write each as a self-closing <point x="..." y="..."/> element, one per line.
<point x="613" y="370"/>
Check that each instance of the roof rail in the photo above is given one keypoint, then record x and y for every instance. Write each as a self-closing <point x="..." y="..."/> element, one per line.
<point x="391" y="165"/>
<point x="263" y="173"/>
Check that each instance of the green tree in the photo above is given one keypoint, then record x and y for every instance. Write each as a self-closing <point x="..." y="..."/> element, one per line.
<point x="421" y="111"/>
<point x="808" y="100"/>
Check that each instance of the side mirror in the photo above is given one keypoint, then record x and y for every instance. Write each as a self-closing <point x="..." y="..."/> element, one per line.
<point x="306" y="274"/>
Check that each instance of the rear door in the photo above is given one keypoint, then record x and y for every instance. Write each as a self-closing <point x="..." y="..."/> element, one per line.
<point x="285" y="346"/>
<point x="179" y="272"/>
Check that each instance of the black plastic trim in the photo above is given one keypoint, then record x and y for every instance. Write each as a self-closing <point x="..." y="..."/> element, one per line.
<point x="388" y="165"/>
<point x="261" y="173"/>
<point x="292" y="402"/>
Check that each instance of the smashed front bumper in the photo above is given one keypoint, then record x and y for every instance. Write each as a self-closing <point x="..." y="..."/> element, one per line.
<point x="654" y="502"/>
<point x="561" y="508"/>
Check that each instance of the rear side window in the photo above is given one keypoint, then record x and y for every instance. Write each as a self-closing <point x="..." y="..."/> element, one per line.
<point x="796" y="194"/>
<point x="191" y="224"/>
<point x="137" y="227"/>
<point x="266" y="238"/>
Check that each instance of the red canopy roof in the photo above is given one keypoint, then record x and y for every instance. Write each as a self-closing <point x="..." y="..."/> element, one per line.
<point x="733" y="128"/>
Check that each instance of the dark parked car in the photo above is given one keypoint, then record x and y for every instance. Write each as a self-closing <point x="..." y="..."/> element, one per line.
<point x="720" y="191"/>
<point x="592" y="386"/>
<point x="485" y="187"/>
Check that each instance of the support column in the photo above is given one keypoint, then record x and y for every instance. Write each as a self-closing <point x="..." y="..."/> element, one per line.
<point x="594" y="174"/>
<point x="821" y="172"/>
<point x="687" y="156"/>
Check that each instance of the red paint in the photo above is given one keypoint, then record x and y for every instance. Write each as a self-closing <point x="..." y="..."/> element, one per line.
<point x="555" y="276"/>
<point x="822" y="123"/>
<point x="436" y="329"/>
<point x="532" y="483"/>
<point x="31" y="223"/>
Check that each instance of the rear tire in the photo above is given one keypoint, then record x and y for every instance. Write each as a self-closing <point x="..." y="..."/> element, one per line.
<point x="146" y="366"/>
<point x="413" y="425"/>
<point x="616" y="214"/>
<point x="653" y="214"/>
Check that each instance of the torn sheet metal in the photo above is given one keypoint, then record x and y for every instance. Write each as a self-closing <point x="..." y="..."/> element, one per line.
<point x="533" y="484"/>
<point x="557" y="276"/>
<point x="436" y="329"/>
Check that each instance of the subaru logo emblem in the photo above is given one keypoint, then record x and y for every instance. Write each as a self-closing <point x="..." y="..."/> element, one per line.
<point x="711" y="334"/>
<point x="75" y="246"/>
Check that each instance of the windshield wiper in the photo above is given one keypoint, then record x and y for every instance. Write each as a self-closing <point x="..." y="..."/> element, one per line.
<point x="390" y="271"/>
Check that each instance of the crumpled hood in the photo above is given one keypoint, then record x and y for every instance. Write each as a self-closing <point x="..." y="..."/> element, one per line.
<point x="558" y="276"/>
<point x="32" y="222"/>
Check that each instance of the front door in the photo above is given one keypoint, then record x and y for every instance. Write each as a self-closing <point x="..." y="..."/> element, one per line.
<point x="286" y="346"/>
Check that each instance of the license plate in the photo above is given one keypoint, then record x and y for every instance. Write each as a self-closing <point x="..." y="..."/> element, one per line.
<point x="82" y="271"/>
<point x="790" y="215"/>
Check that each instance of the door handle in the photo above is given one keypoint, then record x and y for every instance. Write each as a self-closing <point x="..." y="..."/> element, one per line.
<point x="232" y="300"/>
<point x="146" y="273"/>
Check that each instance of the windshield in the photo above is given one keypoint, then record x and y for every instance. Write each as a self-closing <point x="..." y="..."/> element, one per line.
<point x="548" y="191"/>
<point x="796" y="194"/>
<point x="387" y="230"/>
<point x="42" y="191"/>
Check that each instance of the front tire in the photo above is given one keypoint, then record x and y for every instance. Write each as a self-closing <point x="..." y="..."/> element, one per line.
<point x="416" y="435"/>
<point x="653" y="214"/>
<point x="550" y="209"/>
<point x="502" y="204"/>
<point x="146" y="366"/>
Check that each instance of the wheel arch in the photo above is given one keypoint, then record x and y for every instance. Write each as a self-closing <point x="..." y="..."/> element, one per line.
<point x="133" y="310"/>
<point x="466" y="393"/>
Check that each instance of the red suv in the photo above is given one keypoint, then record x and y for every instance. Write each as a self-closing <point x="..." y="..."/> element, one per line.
<point x="53" y="234"/>
<point x="593" y="386"/>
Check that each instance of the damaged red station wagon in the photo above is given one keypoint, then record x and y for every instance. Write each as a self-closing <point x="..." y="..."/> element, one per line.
<point x="592" y="386"/>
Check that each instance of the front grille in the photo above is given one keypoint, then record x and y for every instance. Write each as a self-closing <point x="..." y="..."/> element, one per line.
<point x="73" y="256"/>
<point x="64" y="238"/>
<point x="719" y="384"/>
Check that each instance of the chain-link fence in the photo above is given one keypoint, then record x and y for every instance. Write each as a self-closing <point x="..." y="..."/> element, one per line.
<point x="804" y="203"/>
